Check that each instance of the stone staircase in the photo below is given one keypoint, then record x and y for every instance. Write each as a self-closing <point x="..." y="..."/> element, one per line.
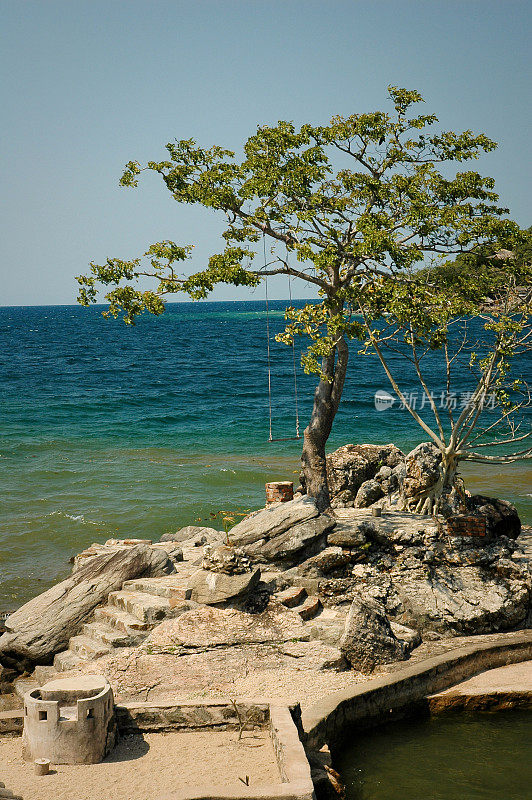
<point x="327" y="623"/>
<point x="141" y="604"/>
<point x="127" y="619"/>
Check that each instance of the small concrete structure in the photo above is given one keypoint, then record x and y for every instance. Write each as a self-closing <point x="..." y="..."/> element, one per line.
<point x="70" y="721"/>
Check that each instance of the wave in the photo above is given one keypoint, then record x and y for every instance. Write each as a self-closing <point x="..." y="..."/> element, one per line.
<point x="73" y="517"/>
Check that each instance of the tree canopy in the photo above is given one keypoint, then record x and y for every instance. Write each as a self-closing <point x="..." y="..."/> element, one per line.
<point x="341" y="206"/>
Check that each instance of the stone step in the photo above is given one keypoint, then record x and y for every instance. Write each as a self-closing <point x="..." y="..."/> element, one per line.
<point x="171" y="588"/>
<point x="87" y="648"/>
<point x="23" y="685"/>
<point x="43" y="674"/>
<point x="309" y="608"/>
<point x="293" y="596"/>
<point x="328" y="626"/>
<point x="67" y="660"/>
<point x="145" y="607"/>
<point x="121" y="620"/>
<point x="110" y="636"/>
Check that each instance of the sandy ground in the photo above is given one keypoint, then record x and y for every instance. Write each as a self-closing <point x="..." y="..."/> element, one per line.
<point x="148" y="767"/>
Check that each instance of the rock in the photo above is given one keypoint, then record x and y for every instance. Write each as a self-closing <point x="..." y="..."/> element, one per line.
<point x="216" y="627"/>
<point x="171" y="552"/>
<point x="409" y="636"/>
<point x="299" y="541"/>
<point x="369" y="492"/>
<point x="229" y="560"/>
<point x="272" y="521"/>
<point x="461" y="600"/>
<point x="329" y="560"/>
<point x="211" y="588"/>
<point x="368" y="638"/>
<point x="422" y="472"/>
<point x="192" y="532"/>
<point x="349" y="534"/>
<point x="293" y="596"/>
<point x="351" y="465"/>
<point x="43" y="626"/>
<point x="502" y="518"/>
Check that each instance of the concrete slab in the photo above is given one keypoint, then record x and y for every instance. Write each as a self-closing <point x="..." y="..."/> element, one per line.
<point x="498" y="689"/>
<point x="512" y="678"/>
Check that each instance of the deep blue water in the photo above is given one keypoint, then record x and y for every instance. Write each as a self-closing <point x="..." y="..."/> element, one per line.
<point x="108" y="430"/>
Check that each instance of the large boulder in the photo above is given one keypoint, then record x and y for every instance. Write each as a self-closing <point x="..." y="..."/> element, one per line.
<point x="193" y="532"/>
<point x="463" y="599"/>
<point x="368" y="638"/>
<point x="299" y="541"/>
<point x="211" y="588"/>
<point x="272" y="521"/>
<point x="353" y="464"/>
<point x="502" y="518"/>
<point x="422" y="472"/>
<point x="216" y="627"/>
<point x="43" y="626"/>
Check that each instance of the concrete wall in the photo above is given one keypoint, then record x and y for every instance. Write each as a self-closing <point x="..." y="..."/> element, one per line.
<point x="398" y="694"/>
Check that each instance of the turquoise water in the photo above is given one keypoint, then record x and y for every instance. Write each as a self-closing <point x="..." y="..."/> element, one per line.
<point x="465" y="757"/>
<point x="108" y="430"/>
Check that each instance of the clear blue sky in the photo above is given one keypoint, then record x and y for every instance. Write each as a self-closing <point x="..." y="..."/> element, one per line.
<point x="86" y="86"/>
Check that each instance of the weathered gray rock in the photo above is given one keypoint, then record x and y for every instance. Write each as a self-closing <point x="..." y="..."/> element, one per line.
<point x="368" y="638"/>
<point x="422" y="472"/>
<point x="369" y="493"/>
<point x="216" y="627"/>
<point x="43" y="626"/>
<point x="409" y="636"/>
<point x="329" y="560"/>
<point x="299" y="541"/>
<point x="502" y="518"/>
<point x="351" y="465"/>
<point x="210" y="588"/>
<point x="192" y="532"/>
<point x="350" y="533"/>
<point x="273" y="520"/>
<point x="230" y="560"/>
<point x="461" y="600"/>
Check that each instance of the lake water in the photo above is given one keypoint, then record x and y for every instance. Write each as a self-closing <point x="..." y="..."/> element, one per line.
<point x="115" y="431"/>
<point x="462" y="757"/>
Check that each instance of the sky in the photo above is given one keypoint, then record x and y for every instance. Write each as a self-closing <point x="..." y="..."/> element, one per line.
<point x="87" y="86"/>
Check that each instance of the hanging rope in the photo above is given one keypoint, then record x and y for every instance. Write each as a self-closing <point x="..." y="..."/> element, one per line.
<point x="270" y="437"/>
<point x="293" y="354"/>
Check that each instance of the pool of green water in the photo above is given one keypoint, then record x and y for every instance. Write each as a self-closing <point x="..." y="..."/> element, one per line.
<point x="458" y="757"/>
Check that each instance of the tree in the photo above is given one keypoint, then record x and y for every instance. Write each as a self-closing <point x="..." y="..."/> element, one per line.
<point x="433" y="316"/>
<point x="340" y="206"/>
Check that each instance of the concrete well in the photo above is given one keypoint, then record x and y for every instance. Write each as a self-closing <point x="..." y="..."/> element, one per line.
<point x="70" y="721"/>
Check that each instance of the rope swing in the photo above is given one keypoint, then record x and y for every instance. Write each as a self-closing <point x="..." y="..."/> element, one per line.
<point x="298" y="435"/>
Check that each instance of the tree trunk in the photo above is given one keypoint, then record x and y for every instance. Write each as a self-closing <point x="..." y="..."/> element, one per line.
<point x="447" y="495"/>
<point x="326" y="401"/>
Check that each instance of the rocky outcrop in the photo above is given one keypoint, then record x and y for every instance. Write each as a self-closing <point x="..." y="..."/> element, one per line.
<point x="43" y="627"/>
<point x="216" y="627"/>
<point x="502" y="518"/>
<point x="195" y="534"/>
<point x="461" y="599"/>
<point x="283" y="534"/>
<point x="211" y="588"/>
<point x="272" y="521"/>
<point x="368" y="638"/>
<point x="422" y="472"/>
<point x="352" y="465"/>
